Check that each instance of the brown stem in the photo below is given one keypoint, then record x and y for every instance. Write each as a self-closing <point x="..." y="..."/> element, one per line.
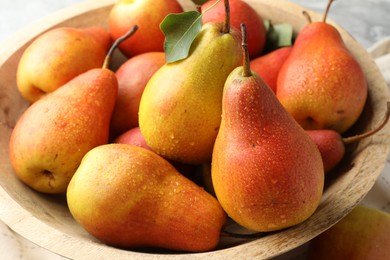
<point x="124" y="37"/>
<point x="226" y="25"/>
<point x="307" y="16"/>
<point x="246" y="65"/>
<point x="355" y="138"/>
<point x="327" y="10"/>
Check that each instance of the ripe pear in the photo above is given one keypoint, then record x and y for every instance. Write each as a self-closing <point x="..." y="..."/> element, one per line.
<point x="59" y="55"/>
<point x="266" y="171"/>
<point x="54" y="133"/>
<point x="361" y="235"/>
<point x="180" y="109"/>
<point x="133" y="137"/>
<point x="241" y="12"/>
<point x="321" y="84"/>
<point x="133" y="75"/>
<point x="147" y="14"/>
<point x="128" y="196"/>
<point x="332" y="145"/>
<point x="268" y="66"/>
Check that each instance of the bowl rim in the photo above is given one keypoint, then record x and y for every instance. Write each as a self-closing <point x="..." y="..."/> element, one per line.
<point x="27" y="225"/>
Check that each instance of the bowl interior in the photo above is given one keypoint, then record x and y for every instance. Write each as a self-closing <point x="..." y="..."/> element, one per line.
<point x="46" y="221"/>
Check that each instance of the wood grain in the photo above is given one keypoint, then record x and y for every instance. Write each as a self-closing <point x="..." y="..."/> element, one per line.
<point x="46" y="221"/>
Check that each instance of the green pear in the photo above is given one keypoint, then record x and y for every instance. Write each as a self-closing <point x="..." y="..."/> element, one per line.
<point x="321" y="84"/>
<point x="180" y="108"/>
<point x="59" y="55"/>
<point x="128" y="197"/>
<point x="266" y="171"/>
<point x="361" y="235"/>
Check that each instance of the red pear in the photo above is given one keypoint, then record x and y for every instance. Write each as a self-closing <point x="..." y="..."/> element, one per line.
<point x="268" y="65"/>
<point x="241" y="12"/>
<point x="133" y="75"/>
<point x="321" y="84"/>
<point x="332" y="145"/>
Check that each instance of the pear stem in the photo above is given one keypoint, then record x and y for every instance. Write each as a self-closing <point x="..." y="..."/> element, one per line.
<point x="118" y="41"/>
<point x="226" y="25"/>
<point x="307" y="16"/>
<point x="247" y="67"/>
<point x="327" y="11"/>
<point x="355" y="138"/>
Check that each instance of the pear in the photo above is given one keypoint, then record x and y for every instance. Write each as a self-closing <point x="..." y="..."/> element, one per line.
<point x="55" y="132"/>
<point x="361" y="235"/>
<point x="128" y="197"/>
<point x="268" y="66"/>
<point x="133" y="75"/>
<point x="59" y="55"/>
<point x="332" y="145"/>
<point x="266" y="171"/>
<point x="241" y="12"/>
<point x="321" y="84"/>
<point x="180" y="108"/>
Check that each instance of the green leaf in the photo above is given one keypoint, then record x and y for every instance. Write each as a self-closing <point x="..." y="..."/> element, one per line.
<point x="278" y="35"/>
<point x="199" y="2"/>
<point x="180" y="31"/>
<point x="285" y="34"/>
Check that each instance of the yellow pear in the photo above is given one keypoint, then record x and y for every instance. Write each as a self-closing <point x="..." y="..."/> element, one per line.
<point x="128" y="197"/>
<point x="59" y="55"/>
<point x="180" y="109"/>
<point x="361" y="235"/>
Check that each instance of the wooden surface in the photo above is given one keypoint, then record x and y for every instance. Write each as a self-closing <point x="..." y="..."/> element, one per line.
<point x="46" y="221"/>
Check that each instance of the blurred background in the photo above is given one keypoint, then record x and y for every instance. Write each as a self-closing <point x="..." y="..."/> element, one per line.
<point x="366" y="20"/>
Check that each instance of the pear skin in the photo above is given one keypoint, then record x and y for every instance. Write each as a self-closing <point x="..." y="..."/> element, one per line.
<point x="128" y="197"/>
<point x="331" y="146"/>
<point x="268" y="66"/>
<point x="133" y="75"/>
<point x="361" y="235"/>
<point x="266" y="171"/>
<point x="147" y="14"/>
<point x="321" y="84"/>
<point x="241" y="12"/>
<point x="58" y="56"/>
<point x="180" y="109"/>
<point x="54" y="133"/>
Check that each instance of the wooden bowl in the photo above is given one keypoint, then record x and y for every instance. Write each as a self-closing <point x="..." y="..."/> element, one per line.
<point x="46" y="221"/>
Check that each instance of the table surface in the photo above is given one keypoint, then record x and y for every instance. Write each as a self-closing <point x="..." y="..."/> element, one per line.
<point x="366" y="20"/>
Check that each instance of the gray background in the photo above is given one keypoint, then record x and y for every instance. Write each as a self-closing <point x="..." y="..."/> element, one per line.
<point x="366" y="20"/>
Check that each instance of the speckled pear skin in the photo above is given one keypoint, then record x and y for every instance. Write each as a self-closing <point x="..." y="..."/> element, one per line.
<point x="128" y="197"/>
<point x="321" y="84"/>
<point x="180" y="109"/>
<point x="266" y="171"/>
<point x="54" y="133"/>
<point x="59" y="55"/>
